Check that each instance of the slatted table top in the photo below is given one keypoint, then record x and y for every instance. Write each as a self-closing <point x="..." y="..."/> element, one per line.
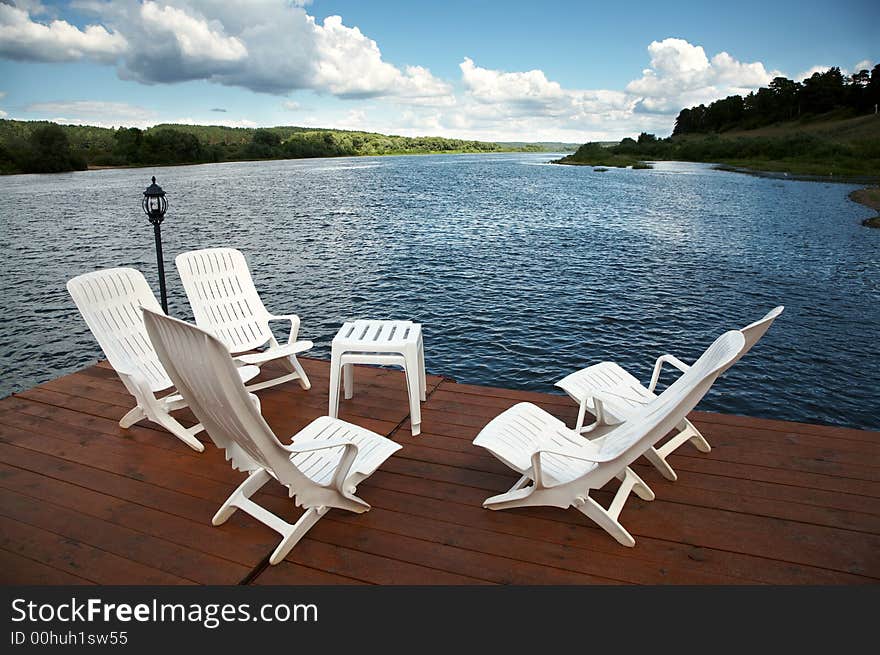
<point x="376" y="335"/>
<point x="84" y="501"/>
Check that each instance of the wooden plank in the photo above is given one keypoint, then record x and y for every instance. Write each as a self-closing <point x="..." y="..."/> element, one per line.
<point x="463" y="504"/>
<point x="774" y="502"/>
<point x="555" y="563"/>
<point x="835" y="431"/>
<point x="782" y="501"/>
<point x="819" y="546"/>
<point x="79" y="559"/>
<point x="369" y="533"/>
<point x="354" y="563"/>
<point x="16" y="569"/>
<point x="198" y="535"/>
<point x="127" y="543"/>
<point x="289" y="573"/>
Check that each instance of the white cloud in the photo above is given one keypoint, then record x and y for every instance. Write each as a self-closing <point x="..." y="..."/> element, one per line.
<point x="863" y="65"/>
<point x="196" y="37"/>
<point x="24" y="39"/>
<point x="269" y="46"/>
<point x="120" y="111"/>
<point x="681" y="75"/>
<point x="3" y="114"/>
<point x="243" y="122"/>
<point x="348" y="64"/>
<point x="276" y="47"/>
<point x="800" y="77"/>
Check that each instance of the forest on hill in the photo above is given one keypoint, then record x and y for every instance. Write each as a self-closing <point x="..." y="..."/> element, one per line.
<point x="46" y="147"/>
<point x="826" y="126"/>
<point x="785" y="100"/>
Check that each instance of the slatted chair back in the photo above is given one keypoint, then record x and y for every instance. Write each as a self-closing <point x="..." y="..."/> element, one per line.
<point x="655" y="419"/>
<point x="110" y="301"/>
<point x="204" y="373"/>
<point x="223" y="297"/>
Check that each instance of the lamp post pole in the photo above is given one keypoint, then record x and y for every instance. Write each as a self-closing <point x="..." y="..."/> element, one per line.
<point x="155" y="205"/>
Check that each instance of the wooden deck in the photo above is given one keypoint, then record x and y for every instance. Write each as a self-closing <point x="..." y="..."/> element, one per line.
<point x="84" y="501"/>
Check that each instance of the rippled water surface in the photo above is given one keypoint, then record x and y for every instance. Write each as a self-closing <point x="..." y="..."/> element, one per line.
<point x="521" y="272"/>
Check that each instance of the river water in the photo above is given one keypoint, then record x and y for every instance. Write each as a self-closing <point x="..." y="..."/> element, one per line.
<point x="520" y="271"/>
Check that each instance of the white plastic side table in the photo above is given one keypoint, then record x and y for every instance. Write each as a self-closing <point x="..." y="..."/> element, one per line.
<point x="389" y="343"/>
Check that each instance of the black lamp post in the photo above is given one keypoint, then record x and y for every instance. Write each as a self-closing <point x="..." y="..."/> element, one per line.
<point x="155" y="205"/>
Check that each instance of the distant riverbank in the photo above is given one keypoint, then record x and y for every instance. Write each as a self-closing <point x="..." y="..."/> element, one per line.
<point x="46" y="147"/>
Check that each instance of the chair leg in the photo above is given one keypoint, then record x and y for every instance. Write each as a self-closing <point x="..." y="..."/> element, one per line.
<point x="423" y="380"/>
<point x="582" y="414"/>
<point x="245" y="490"/>
<point x="132" y="416"/>
<point x="303" y="378"/>
<point x="687" y="432"/>
<point x="335" y="371"/>
<point x="522" y="482"/>
<point x="297" y="532"/>
<point x="290" y="533"/>
<point x="413" y="385"/>
<point x="186" y="435"/>
<point x="292" y="364"/>
<point x="660" y="463"/>
<point x="593" y="510"/>
<point x="639" y="486"/>
<point x="348" y="380"/>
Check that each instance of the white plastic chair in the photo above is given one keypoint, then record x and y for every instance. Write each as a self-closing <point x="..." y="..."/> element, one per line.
<point x="225" y="302"/>
<point x="623" y="394"/>
<point x="110" y="301"/>
<point x="559" y="468"/>
<point x="321" y="467"/>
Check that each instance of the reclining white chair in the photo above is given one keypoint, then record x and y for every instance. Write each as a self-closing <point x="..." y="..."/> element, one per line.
<point x="623" y="393"/>
<point x="110" y="301"/>
<point x="321" y="467"/>
<point x="225" y="302"/>
<point x="559" y="468"/>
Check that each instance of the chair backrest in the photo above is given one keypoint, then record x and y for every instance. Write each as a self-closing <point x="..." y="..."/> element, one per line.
<point x="203" y="372"/>
<point x="110" y="301"/>
<point x="223" y="297"/>
<point x="655" y="419"/>
<point x="754" y="331"/>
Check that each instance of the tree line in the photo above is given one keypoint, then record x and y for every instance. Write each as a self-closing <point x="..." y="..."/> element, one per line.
<point x="45" y="147"/>
<point x="786" y="100"/>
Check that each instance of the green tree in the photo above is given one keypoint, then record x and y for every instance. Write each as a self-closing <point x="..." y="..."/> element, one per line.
<point x="49" y="152"/>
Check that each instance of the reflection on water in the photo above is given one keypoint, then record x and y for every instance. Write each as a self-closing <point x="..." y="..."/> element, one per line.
<point x="520" y="273"/>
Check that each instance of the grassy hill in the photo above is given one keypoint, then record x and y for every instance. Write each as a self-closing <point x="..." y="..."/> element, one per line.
<point x="832" y="145"/>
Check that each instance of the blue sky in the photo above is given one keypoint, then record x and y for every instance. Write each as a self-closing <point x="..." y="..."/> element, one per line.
<point x="570" y="71"/>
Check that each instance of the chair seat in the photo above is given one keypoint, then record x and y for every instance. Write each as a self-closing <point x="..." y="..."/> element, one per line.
<point x="277" y="352"/>
<point x="320" y="465"/>
<point x="517" y="433"/>
<point x="611" y="380"/>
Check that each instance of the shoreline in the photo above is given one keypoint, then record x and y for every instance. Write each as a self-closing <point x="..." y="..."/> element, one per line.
<point x="101" y="167"/>
<point x="869" y="197"/>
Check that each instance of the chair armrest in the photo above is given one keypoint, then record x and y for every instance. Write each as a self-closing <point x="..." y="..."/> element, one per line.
<point x="599" y="398"/>
<point x="666" y="359"/>
<point x="294" y="324"/>
<point x="537" y="472"/>
<point x="343" y="467"/>
<point x="313" y="445"/>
